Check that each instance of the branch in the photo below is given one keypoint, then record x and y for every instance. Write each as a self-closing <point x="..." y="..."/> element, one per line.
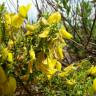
<point x="37" y="6"/>
<point x="91" y="31"/>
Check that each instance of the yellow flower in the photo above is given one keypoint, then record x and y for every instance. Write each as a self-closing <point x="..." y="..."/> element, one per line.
<point x="8" y="23"/>
<point x="65" y="34"/>
<point x="51" y="63"/>
<point x="58" y="66"/>
<point x="94" y="85"/>
<point x="92" y="71"/>
<point x="67" y="71"/>
<point x="70" y="68"/>
<point x="10" y="57"/>
<point x="71" y="82"/>
<point x="63" y="74"/>
<point x="4" y="53"/>
<point x="54" y="18"/>
<point x="51" y="71"/>
<point x="45" y="33"/>
<point x="31" y="27"/>
<point x="13" y="20"/>
<point x="32" y="54"/>
<point x="28" y="33"/>
<point x="44" y="21"/>
<point x="8" y="19"/>
<point x="63" y="42"/>
<point x="23" y="10"/>
<point x="10" y="42"/>
<point x="46" y="70"/>
<point x="49" y="77"/>
<point x="17" y="21"/>
<point x="59" y="52"/>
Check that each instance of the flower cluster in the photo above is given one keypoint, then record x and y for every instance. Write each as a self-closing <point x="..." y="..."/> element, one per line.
<point x="46" y="38"/>
<point x="26" y="48"/>
<point x="50" y="33"/>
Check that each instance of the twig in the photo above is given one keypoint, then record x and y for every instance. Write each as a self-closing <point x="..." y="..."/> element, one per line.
<point x="91" y="31"/>
<point x="17" y="5"/>
<point x="12" y="3"/>
<point x="37" y="6"/>
<point x="94" y="44"/>
<point x="8" y="6"/>
<point x="80" y="45"/>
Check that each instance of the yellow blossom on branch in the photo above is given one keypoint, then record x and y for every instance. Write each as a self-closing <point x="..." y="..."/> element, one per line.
<point x="10" y="57"/>
<point x="32" y="54"/>
<point x="44" y="21"/>
<point x="71" y="82"/>
<point x="23" y="10"/>
<point x="94" y="85"/>
<point x="51" y="63"/>
<point x="44" y="33"/>
<point x="65" y="34"/>
<point x="54" y="18"/>
<point x="17" y="21"/>
<point x="59" y="52"/>
<point x="32" y="27"/>
<point x="63" y="74"/>
<point x="92" y="71"/>
<point x="58" y="66"/>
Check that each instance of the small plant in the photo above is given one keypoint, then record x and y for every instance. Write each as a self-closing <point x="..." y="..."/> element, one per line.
<point x="35" y="47"/>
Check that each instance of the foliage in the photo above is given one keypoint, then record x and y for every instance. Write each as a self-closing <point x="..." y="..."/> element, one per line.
<point x="30" y="48"/>
<point x="34" y="52"/>
<point x="80" y="18"/>
<point x="74" y="80"/>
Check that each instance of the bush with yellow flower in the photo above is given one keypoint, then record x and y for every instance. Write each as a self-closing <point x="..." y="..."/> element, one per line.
<point x="27" y="48"/>
<point x="33" y="53"/>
